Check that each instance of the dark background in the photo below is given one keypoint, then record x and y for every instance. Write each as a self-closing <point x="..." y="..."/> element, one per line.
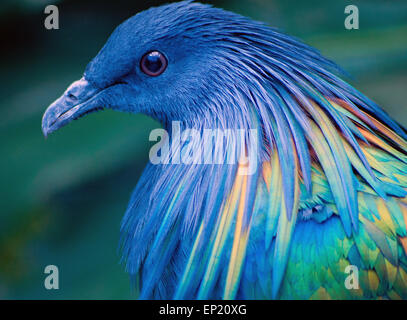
<point x="62" y="199"/>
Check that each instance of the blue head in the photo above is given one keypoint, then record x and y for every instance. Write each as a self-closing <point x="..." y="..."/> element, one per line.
<point x="157" y="62"/>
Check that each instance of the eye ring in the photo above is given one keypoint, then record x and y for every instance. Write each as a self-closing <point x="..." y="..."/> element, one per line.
<point x="153" y="63"/>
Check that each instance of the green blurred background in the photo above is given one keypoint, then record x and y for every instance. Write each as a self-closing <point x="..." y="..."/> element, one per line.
<point x="62" y="199"/>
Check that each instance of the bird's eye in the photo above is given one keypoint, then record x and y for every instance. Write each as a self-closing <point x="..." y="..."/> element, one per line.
<point x="153" y="63"/>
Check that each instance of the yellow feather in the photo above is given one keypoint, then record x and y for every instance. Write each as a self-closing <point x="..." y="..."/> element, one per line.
<point x="238" y="248"/>
<point x="321" y="294"/>
<point x="373" y="280"/>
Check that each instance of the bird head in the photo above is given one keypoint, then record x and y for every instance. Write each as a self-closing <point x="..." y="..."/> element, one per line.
<point x="164" y="62"/>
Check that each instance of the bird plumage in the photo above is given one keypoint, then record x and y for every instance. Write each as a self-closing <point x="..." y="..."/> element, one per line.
<point x="329" y="190"/>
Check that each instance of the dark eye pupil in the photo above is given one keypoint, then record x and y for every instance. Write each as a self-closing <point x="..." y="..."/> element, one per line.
<point x="153" y="63"/>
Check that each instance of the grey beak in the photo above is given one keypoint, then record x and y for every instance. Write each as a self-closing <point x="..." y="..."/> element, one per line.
<point x="78" y="99"/>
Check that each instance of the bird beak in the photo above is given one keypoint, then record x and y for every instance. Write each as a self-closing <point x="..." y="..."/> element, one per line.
<point x="81" y="97"/>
